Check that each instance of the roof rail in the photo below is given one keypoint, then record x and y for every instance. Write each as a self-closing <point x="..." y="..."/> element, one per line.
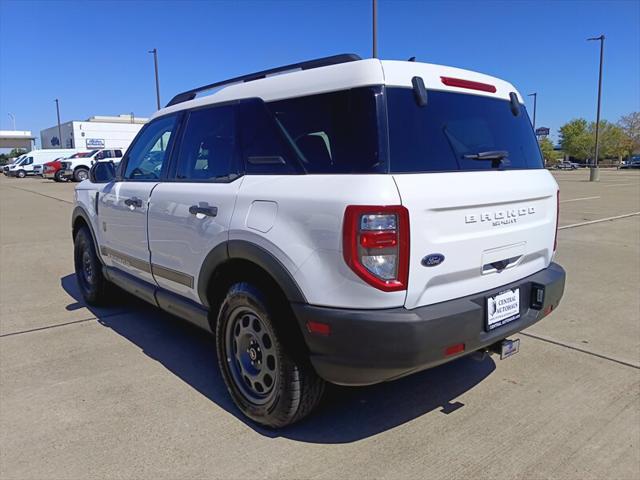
<point x="318" y="62"/>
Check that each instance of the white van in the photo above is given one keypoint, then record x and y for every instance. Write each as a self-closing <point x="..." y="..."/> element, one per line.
<point x="31" y="163"/>
<point x="15" y="161"/>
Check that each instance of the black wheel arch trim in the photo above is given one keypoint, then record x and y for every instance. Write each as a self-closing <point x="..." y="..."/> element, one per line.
<point x="244" y="250"/>
<point x="80" y="212"/>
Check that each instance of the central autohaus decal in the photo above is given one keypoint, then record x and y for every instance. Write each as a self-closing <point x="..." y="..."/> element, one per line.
<point x="501" y="217"/>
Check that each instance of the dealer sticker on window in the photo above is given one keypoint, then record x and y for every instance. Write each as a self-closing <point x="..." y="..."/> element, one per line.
<point x="503" y="308"/>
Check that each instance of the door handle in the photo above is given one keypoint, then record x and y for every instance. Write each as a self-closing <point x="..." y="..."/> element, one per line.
<point x="204" y="209"/>
<point x="133" y="202"/>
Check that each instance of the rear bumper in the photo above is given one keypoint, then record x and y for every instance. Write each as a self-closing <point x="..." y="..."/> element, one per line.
<point x="372" y="346"/>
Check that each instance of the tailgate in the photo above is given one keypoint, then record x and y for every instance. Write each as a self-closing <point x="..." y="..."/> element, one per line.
<point x="491" y="227"/>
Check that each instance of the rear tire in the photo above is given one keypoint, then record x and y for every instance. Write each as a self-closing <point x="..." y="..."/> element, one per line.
<point x="94" y="287"/>
<point x="80" y="174"/>
<point x="269" y="384"/>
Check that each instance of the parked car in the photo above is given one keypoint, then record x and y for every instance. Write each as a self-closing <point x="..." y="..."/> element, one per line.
<point x="32" y="162"/>
<point x="77" y="169"/>
<point x="633" y="162"/>
<point x="339" y="220"/>
<point x="566" y="166"/>
<point x="53" y="170"/>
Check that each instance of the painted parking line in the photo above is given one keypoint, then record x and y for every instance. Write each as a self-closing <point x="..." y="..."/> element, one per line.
<point x="599" y="220"/>
<point x="620" y="184"/>
<point x="578" y="199"/>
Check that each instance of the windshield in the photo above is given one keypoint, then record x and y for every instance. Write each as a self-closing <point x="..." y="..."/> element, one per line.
<point x="81" y="154"/>
<point x="456" y="131"/>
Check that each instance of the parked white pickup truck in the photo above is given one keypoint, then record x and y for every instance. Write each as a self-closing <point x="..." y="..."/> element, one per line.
<point x="77" y="169"/>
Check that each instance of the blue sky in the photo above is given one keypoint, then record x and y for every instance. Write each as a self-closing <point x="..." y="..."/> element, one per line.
<point x="93" y="55"/>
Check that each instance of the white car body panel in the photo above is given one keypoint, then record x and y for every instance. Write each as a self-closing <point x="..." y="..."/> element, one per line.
<point x="123" y="229"/>
<point x="179" y="240"/>
<point x="475" y="219"/>
<point x="306" y="236"/>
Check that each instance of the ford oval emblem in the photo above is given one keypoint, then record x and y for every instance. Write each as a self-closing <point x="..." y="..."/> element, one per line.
<point x="433" y="260"/>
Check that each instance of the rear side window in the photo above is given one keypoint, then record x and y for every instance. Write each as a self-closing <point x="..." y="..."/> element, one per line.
<point x="265" y="148"/>
<point x="441" y="136"/>
<point x="336" y="132"/>
<point x="208" y="148"/>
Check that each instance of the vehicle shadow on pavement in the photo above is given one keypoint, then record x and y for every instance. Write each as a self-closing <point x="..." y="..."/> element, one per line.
<point x="346" y="415"/>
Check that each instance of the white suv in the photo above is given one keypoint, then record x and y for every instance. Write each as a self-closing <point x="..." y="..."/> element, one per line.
<point x="345" y="220"/>
<point x="77" y="167"/>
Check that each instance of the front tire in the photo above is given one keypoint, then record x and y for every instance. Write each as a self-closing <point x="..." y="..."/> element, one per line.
<point x="94" y="287"/>
<point x="267" y="382"/>
<point x="80" y="174"/>
<point x="57" y="177"/>
<point x="21" y="174"/>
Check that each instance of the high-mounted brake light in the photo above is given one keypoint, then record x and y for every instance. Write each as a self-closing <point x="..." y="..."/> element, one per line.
<point x="376" y="245"/>
<point x="555" y="240"/>
<point x="459" y="82"/>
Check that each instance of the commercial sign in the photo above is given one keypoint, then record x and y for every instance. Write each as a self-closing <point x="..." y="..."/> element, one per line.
<point x="542" y="131"/>
<point x="95" y="142"/>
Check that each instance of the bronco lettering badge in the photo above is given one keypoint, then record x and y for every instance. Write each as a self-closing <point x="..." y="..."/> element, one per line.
<point x="500" y="217"/>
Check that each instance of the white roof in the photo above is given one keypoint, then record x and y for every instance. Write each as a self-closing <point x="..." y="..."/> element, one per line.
<point x="360" y="73"/>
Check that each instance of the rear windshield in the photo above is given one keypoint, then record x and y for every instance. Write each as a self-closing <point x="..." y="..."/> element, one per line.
<point x="443" y="135"/>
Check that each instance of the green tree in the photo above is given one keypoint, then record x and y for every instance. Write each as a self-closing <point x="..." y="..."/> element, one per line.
<point x="630" y="125"/>
<point x="576" y="140"/>
<point x="549" y="154"/>
<point x="614" y="143"/>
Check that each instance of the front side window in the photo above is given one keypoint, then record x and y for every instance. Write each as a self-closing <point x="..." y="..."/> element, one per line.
<point x="208" y="147"/>
<point x="452" y="130"/>
<point x="148" y="152"/>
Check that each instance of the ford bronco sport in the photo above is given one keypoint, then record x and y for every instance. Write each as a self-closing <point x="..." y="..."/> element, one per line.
<point x="341" y="220"/>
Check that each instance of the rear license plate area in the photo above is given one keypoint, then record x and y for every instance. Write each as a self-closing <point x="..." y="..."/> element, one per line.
<point x="502" y="308"/>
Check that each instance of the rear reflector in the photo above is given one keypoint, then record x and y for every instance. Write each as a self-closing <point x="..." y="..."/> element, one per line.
<point x="318" y="328"/>
<point x="459" y="82"/>
<point x="453" y="349"/>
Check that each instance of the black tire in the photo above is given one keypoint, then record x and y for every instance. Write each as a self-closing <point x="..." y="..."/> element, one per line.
<point x="80" y="174"/>
<point x="21" y="174"/>
<point x="294" y="389"/>
<point x="57" y="177"/>
<point x="95" y="289"/>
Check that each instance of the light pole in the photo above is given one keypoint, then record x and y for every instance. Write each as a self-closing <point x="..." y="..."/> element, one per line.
<point x="155" y="63"/>
<point x="59" y="129"/>
<point x="594" y="173"/>
<point x="13" y="119"/>
<point x="535" y="101"/>
<point x="375" y="28"/>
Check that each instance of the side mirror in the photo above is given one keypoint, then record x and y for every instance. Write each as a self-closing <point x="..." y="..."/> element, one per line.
<point x="102" y="172"/>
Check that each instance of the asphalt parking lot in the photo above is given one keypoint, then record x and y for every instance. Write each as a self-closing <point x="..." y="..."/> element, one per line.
<point x="131" y="392"/>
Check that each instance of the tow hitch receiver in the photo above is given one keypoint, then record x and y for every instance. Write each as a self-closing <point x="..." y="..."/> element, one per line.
<point x="506" y="348"/>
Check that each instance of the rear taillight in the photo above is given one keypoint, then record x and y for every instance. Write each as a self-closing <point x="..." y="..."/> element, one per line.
<point x="555" y="240"/>
<point x="376" y="245"/>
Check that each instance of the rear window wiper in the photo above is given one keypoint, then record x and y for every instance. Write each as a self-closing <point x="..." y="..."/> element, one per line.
<point x="496" y="156"/>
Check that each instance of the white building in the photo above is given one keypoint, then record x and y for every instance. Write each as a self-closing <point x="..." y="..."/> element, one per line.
<point x="95" y="132"/>
<point x="16" y="139"/>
